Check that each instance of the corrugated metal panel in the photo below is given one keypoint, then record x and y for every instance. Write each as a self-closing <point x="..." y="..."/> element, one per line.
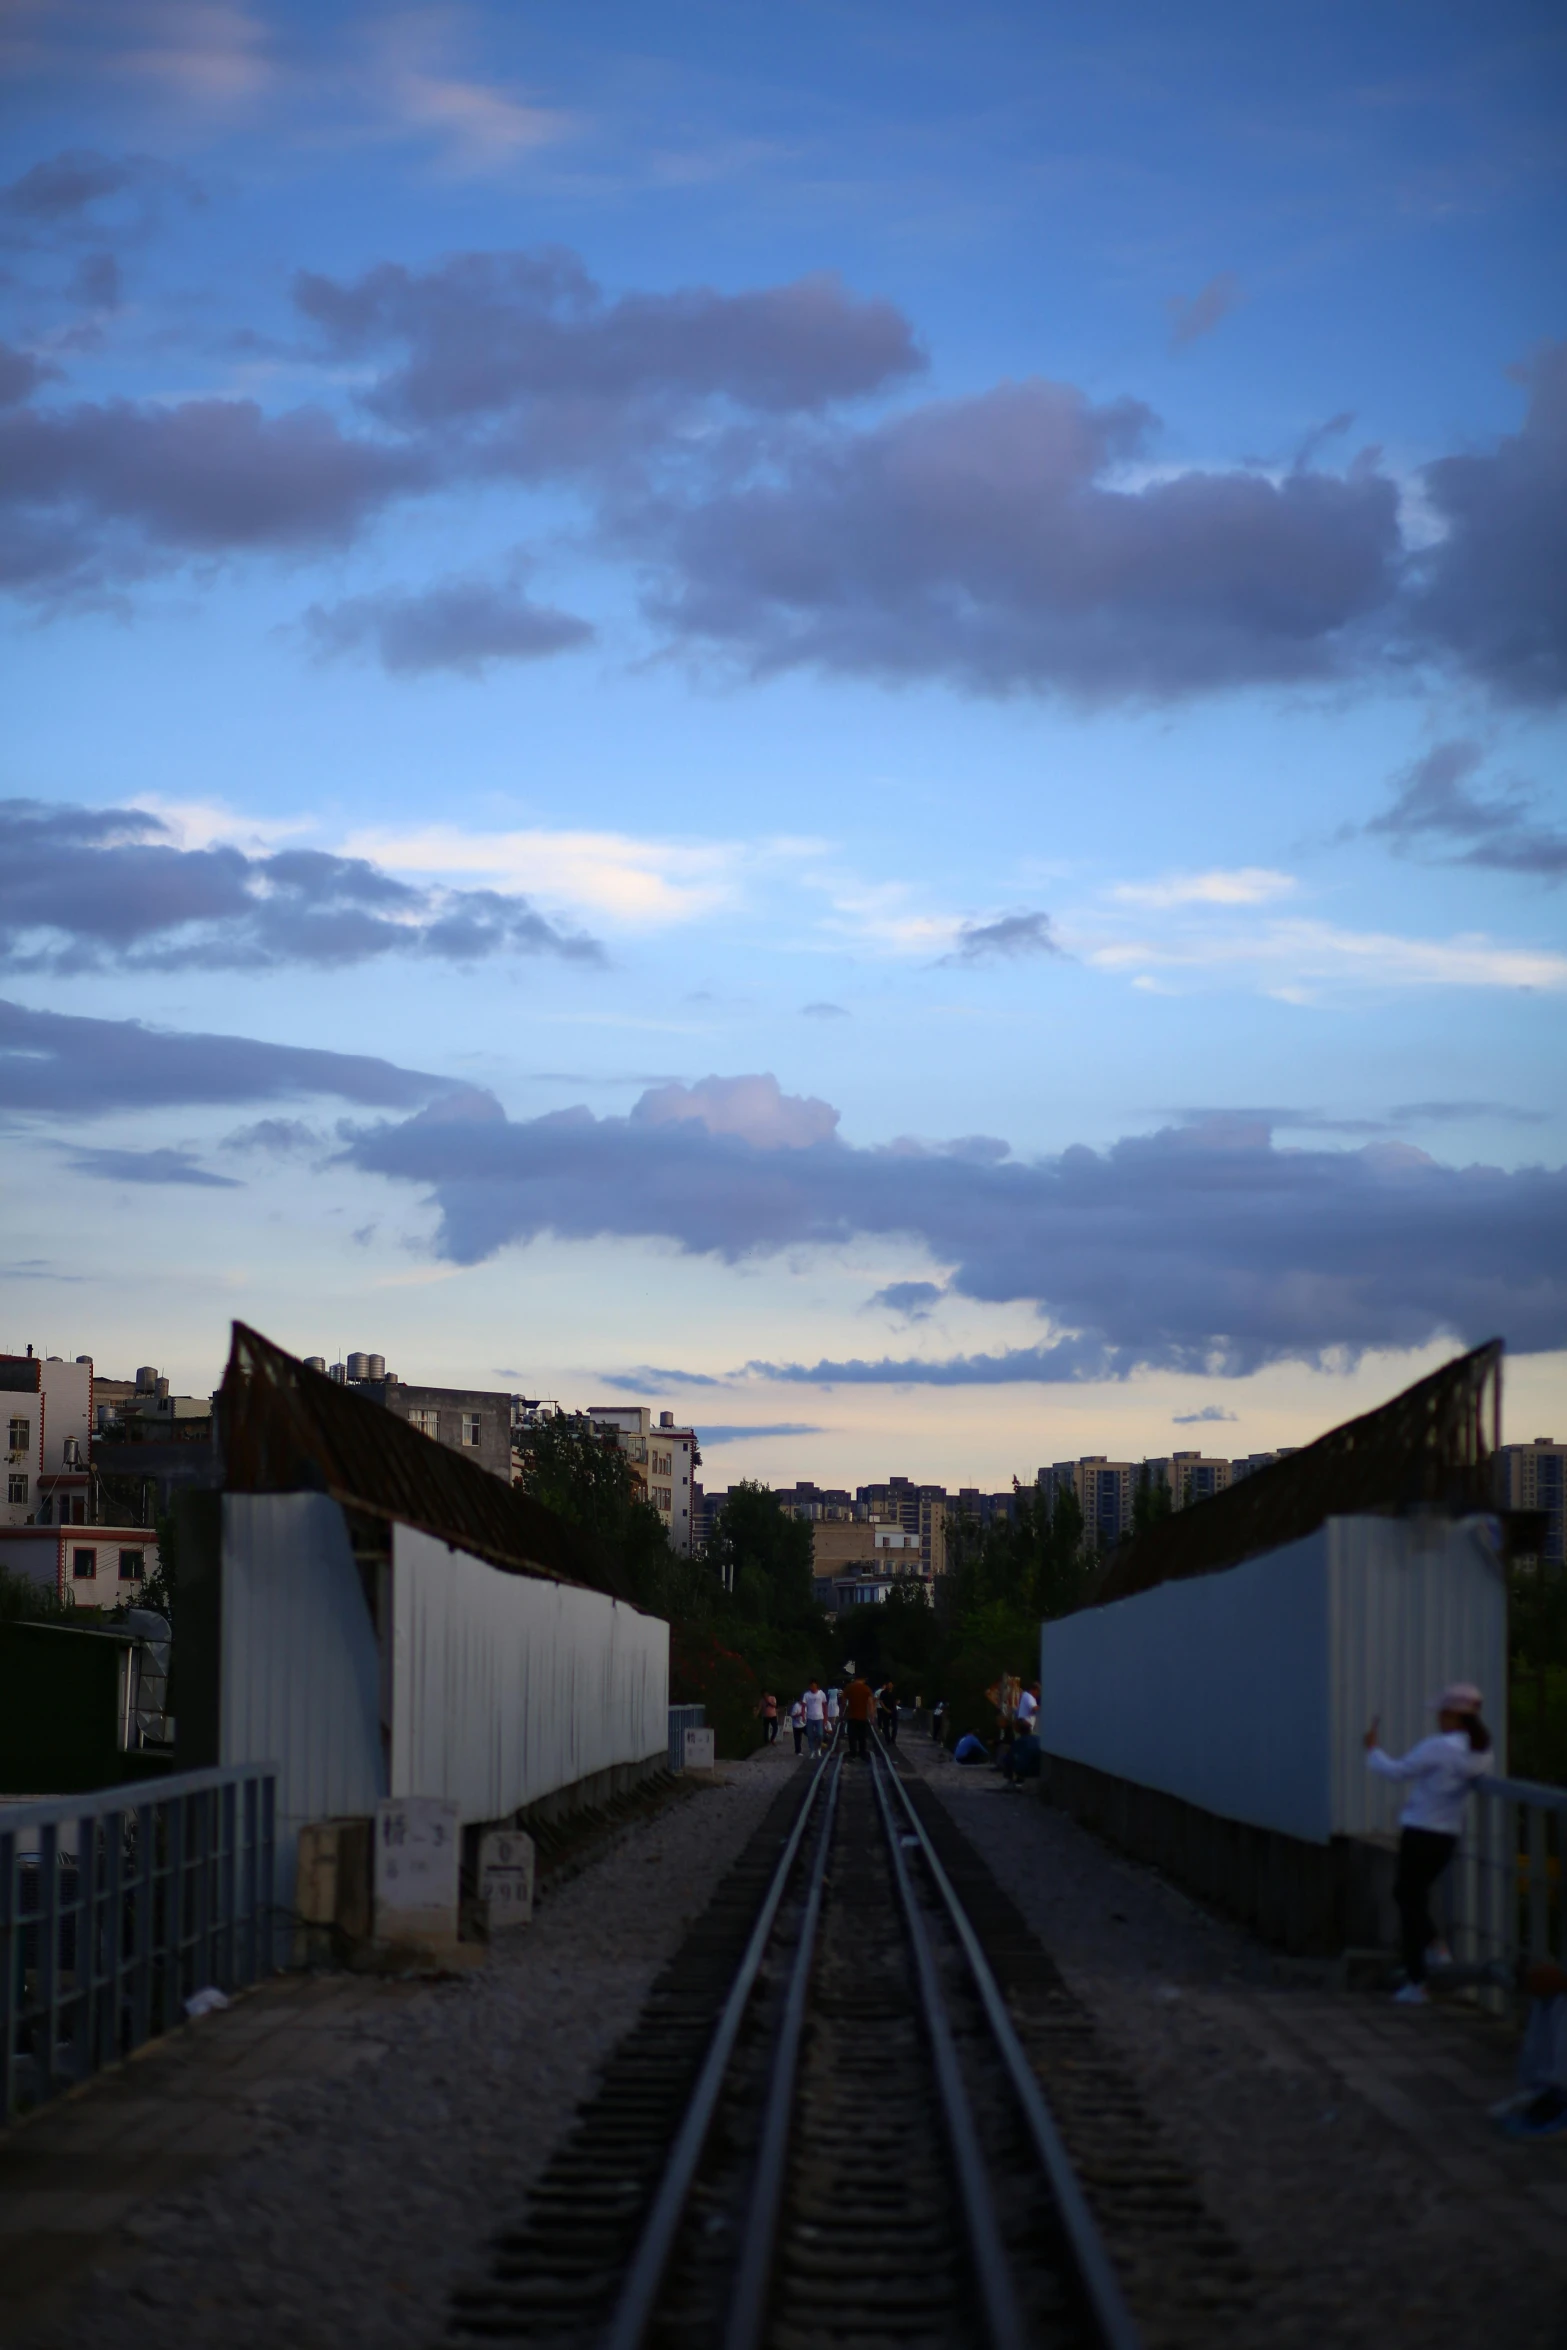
<point x="300" y="1679"/>
<point x="505" y="1688"/>
<point x="1247" y="1692"/>
<point x="1416" y="1603"/>
<point x="1214" y="1690"/>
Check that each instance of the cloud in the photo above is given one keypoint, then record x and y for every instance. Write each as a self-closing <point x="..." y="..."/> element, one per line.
<point x="525" y="347"/>
<point x="739" y="1431"/>
<point x="101" y="491"/>
<point x="462" y="624"/>
<point x="1068" y="1360"/>
<point x="20" y="375"/>
<point x="150" y="1166"/>
<point x="639" y="882"/>
<point x="993" y="541"/>
<point x="1198" y="316"/>
<point x="1212" y="1411"/>
<point x="655" y="1379"/>
<point x="96" y="888"/>
<point x="1249" y="885"/>
<point x="82" y="193"/>
<point x="1007" y="939"/>
<point x="280" y="1137"/>
<point x="752" y="1109"/>
<point x="55" y="1063"/>
<point x="1293" y="959"/>
<point x="1198" y="1249"/>
<point x="1492" y="591"/>
<point x="912" y="1299"/>
<point x="1435" y="807"/>
<point x="824" y="1011"/>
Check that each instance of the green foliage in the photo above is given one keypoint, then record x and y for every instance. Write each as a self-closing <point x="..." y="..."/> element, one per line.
<point x="1537" y="1673"/>
<point x="1151" y="1503"/>
<point x="764" y="1555"/>
<point x="704" y="1671"/>
<point x="22" y="1601"/>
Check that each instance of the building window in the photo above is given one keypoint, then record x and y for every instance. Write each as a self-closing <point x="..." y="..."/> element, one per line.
<point x="471" y="1427"/>
<point x="427" y="1423"/>
<point x="17" y="1487"/>
<point x="130" y="1566"/>
<point x="662" y="1498"/>
<point x="78" y="1516"/>
<point x="21" y="1435"/>
<point x="84" y="1565"/>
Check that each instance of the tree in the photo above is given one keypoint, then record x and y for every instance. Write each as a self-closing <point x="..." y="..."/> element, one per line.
<point x="764" y="1556"/>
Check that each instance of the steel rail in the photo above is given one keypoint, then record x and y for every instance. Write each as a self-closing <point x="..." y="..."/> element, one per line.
<point x="639" y="2295"/>
<point x="1101" y="2288"/>
<point x="992" y="2269"/>
<point x="747" y="2311"/>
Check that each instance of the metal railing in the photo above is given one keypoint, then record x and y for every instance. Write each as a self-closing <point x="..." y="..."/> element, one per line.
<point x="1506" y="1900"/>
<point x="117" y="1907"/>
<point x="681" y="1719"/>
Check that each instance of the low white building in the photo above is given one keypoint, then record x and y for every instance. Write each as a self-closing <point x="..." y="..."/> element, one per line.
<point x="48" y="1520"/>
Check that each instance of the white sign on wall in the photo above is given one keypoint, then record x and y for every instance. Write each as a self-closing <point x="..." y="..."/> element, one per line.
<point x="418" y="1847"/>
<point x="699" y="1750"/>
<point x="506" y="1860"/>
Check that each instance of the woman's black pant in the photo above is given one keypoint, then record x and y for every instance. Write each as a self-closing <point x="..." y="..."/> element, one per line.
<point x="1422" y="1856"/>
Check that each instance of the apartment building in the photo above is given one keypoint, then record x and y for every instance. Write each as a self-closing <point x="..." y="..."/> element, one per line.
<point x="1531" y="1477"/>
<point x="1104" y="1489"/>
<point x="475" y="1421"/>
<point x="53" y="1528"/>
<point x="664" y="1461"/>
<point x="920" y="1510"/>
<point x="1189" y="1477"/>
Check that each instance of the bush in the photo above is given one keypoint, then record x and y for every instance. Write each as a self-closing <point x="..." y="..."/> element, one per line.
<point x="702" y="1671"/>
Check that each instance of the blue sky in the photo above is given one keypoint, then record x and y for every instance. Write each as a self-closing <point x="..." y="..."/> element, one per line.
<point x="852" y="718"/>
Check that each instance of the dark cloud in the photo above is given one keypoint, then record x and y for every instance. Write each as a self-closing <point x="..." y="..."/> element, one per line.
<point x="736" y="1432"/>
<point x="53" y="1063"/>
<point x="1070" y="1359"/>
<point x="154" y="1166"/>
<point x="88" y="888"/>
<point x="656" y="1379"/>
<point x="993" y="541"/>
<point x="1435" y="808"/>
<point x="524" y="347"/>
<point x="1006" y="939"/>
<point x="102" y="490"/>
<point x="281" y="1138"/>
<point x="20" y="375"/>
<point x="96" y="283"/>
<point x="1493" y="591"/>
<point x="1212" y="1411"/>
<point x="83" y="193"/>
<point x="1199" y="1249"/>
<point x="462" y="625"/>
<point x="825" y="1011"/>
<point x="912" y="1299"/>
<point x="1192" y="318"/>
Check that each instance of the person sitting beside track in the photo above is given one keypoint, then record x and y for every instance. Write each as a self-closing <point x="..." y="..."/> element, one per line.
<point x="970" y="1749"/>
<point x="1023" y="1759"/>
<point x="1540" y="2108"/>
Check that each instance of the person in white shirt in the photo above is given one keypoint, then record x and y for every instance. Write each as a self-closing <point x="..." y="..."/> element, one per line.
<point x="1028" y="1709"/>
<point x="1442" y="1770"/>
<point x="797" y="1723"/>
<point x="815" y="1704"/>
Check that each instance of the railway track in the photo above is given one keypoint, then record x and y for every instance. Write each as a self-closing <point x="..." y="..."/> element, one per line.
<point x="823" y="2129"/>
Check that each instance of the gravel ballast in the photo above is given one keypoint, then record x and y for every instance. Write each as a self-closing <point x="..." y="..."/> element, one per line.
<point x="368" y="2196"/>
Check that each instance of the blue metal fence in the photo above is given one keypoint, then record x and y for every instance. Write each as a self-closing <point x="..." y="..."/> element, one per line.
<point x="116" y="1907"/>
<point x="681" y="1719"/>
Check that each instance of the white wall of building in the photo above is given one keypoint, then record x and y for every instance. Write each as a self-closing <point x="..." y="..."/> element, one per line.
<point x="1246" y="1692"/>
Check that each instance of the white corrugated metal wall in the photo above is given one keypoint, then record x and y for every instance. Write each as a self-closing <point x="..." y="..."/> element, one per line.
<point x="1247" y="1692"/>
<point x="1416" y="1603"/>
<point x="300" y="1672"/>
<point x="505" y="1687"/>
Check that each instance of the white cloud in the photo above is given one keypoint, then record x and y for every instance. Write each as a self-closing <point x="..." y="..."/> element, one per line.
<point x="644" y="884"/>
<point x="1248" y="885"/>
<point x="1287" y="957"/>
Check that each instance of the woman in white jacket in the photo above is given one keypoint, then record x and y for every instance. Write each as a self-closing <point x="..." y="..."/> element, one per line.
<point x="1442" y="1769"/>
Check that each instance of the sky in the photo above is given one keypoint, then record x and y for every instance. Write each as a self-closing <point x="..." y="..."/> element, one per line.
<point x="849" y="717"/>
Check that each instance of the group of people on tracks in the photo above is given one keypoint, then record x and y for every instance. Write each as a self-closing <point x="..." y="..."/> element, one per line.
<point x="817" y="1715"/>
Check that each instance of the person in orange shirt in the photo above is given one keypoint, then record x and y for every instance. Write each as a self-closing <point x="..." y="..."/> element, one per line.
<point x="859" y="1704"/>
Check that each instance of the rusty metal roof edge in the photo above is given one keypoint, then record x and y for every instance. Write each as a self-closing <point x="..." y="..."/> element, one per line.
<point x="507" y="1562"/>
<point x="1118" y="1578"/>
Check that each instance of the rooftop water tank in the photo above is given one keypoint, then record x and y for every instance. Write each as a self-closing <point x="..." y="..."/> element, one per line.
<point x="147" y="1379"/>
<point x="315" y="1363"/>
<point x="359" y="1366"/>
<point x="377" y="1368"/>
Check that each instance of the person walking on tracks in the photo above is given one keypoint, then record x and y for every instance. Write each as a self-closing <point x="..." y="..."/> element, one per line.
<point x="797" y="1724"/>
<point x="770" y="1719"/>
<point x="815" y="1704"/>
<point x="1443" y="1769"/>
<point x="859" y="1704"/>
<point x="887" y="1712"/>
